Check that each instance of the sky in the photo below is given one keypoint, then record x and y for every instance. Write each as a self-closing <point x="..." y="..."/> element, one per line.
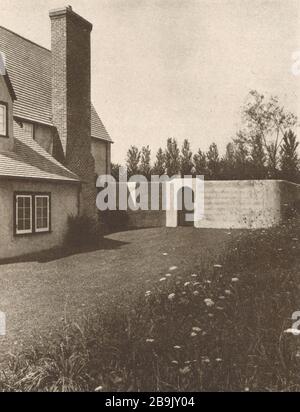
<point x="177" y="68"/>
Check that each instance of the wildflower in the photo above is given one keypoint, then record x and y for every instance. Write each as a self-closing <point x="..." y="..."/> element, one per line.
<point x="172" y="268"/>
<point x="220" y="308"/>
<point x="194" y="275"/>
<point x="185" y="370"/>
<point x="99" y="389"/>
<point x="210" y="315"/>
<point x="205" y="359"/>
<point x="196" y="283"/>
<point x="219" y="360"/>
<point x="148" y="293"/>
<point x="228" y="292"/>
<point x="208" y="282"/>
<point x="222" y="297"/>
<point x="174" y="362"/>
<point x="218" y="266"/>
<point x="165" y="254"/>
<point x="196" y="293"/>
<point x="162" y="279"/>
<point x="171" y="296"/>
<point x="234" y="280"/>
<point x="168" y="275"/>
<point x="187" y="284"/>
<point x="177" y="347"/>
<point x="209" y="302"/>
<point x="293" y="331"/>
<point x="196" y="329"/>
<point x="193" y="334"/>
<point x="150" y="341"/>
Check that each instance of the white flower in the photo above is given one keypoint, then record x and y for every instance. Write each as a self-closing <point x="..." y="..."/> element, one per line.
<point x="149" y="340"/>
<point x="222" y="297"/>
<point x="193" y="334"/>
<point x="99" y="389"/>
<point x="234" y="280"/>
<point x="162" y="279"/>
<point x="219" y="360"/>
<point x="196" y="293"/>
<point x="175" y="362"/>
<point x="196" y="283"/>
<point x="218" y="266"/>
<point x="209" y="302"/>
<point x="293" y="331"/>
<point x="208" y="282"/>
<point x="171" y="296"/>
<point x="165" y="254"/>
<point x="172" y="268"/>
<point x="228" y="292"/>
<point x="177" y="347"/>
<point x="187" y="284"/>
<point x="194" y="275"/>
<point x="168" y="275"/>
<point x="148" y="293"/>
<point x="196" y="329"/>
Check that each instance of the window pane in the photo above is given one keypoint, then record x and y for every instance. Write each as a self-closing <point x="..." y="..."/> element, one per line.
<point x="24" y="214"/>
<point x="42" y="213"/>
<point x="2" y="120"/>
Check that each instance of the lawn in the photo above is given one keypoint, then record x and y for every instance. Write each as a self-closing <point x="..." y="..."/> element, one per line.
<point x="180" y="310"/>
<point x="39" y="296"/>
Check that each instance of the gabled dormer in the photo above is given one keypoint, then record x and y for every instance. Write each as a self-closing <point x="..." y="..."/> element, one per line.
<point x="7" y="97"/>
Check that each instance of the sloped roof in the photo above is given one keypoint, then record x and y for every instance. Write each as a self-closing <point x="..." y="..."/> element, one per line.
<point x="30" y="161"/>
<point x="29" y="67"/>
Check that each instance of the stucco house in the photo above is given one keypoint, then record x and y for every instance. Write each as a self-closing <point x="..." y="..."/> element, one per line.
<point x="52" y="141"/>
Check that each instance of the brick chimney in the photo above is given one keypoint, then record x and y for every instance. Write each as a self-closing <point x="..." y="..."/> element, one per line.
<point x="71" y="97"/>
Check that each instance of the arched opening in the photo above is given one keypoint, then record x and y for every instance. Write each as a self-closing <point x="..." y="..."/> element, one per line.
<point x="185" y="205"/>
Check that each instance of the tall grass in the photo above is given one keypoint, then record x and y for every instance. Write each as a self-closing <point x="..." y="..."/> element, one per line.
<point x="221" y="328"/>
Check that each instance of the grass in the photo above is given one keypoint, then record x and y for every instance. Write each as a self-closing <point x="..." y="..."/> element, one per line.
<point x="219" y="327"/>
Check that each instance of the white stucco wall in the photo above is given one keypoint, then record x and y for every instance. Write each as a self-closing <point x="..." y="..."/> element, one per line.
<point x="64" y="202"/>
<point x="242" y="204"/>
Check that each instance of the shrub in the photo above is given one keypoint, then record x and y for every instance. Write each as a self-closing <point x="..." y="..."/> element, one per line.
<point x="82" y="232"/>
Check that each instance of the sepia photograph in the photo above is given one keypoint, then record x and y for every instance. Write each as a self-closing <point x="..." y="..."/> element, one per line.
<point x="150" y="198"/>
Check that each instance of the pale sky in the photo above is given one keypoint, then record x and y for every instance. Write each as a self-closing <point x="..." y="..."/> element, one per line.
<point x="177" y="68"/>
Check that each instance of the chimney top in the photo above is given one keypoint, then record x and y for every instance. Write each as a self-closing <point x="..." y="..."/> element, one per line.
<point x="68" y="11"/>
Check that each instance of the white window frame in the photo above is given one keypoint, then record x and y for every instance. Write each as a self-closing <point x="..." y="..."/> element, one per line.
<point x="31" y="126"/>
<point x="26" y="231"/>
<point x="4" y="106"/>
<point x="47" y="229"/>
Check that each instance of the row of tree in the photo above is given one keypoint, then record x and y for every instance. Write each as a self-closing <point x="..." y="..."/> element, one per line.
<point x="266" y="147"/>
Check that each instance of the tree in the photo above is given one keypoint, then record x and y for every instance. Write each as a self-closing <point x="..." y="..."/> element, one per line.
<point x="213" y="162"/>
<point x="115" y="167"/>
<point x="133" y="161"/>
<point x="267" y="119"/>
<point x="289" y="157"/>
<point x="228" y="163"/>
<point x="257" y="158"/>
<point x="186" y="163"/>
<point x="200" y="163"/>
<point x="172" y="157"/>
<point x="145" y="166"/>
<point x="160" y="163"/>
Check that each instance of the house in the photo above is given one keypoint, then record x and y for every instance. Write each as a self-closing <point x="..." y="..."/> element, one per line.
<point x="52" y="141"/>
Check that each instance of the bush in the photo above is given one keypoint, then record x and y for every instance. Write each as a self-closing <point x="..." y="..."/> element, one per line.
<point x="82" y="232"/>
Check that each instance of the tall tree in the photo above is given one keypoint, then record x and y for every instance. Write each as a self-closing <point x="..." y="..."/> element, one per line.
<point x="115" y="167"/>
<point x="133" y="161"/>
<point x="172" y="156"/>
<point x="160" y="163"/>
<point x="257" y="158"/>
<point x="213" y="162"/>
<point x="145" y="166"/>
<point x="269" y="120"/>
<point x="186" y="163"/>
<point x="200" y="163"/>
<point x="289" y="157"/>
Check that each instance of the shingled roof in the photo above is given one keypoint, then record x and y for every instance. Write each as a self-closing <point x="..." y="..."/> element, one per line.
<point x="29" y="67"/>
<point x="30" y="161"/>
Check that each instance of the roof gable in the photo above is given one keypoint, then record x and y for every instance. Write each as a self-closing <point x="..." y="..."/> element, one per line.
<point x="29" y="67"/>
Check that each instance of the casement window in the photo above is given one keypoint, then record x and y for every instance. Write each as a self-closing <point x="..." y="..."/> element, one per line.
<point x="3" y="120"/>
<point x="28" y="129"/>
<point x="32" y="213"/>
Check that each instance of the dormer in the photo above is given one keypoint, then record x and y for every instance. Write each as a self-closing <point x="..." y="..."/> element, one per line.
<point x="7" y="97"/>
